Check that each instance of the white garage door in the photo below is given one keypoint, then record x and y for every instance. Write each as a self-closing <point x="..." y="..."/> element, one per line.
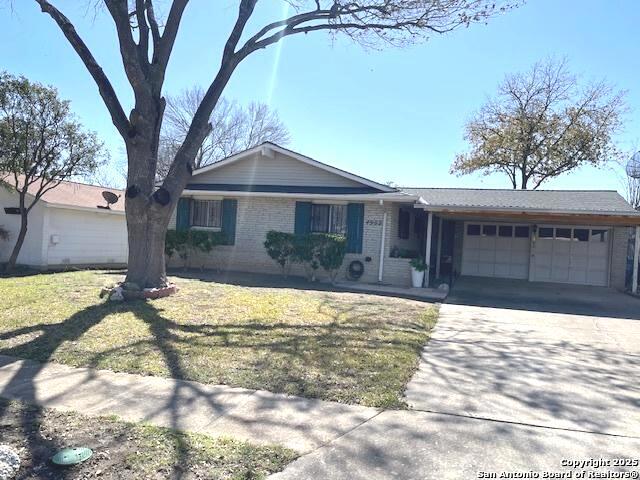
<point x="571" y="255"/>
<point x="496" y="250"/>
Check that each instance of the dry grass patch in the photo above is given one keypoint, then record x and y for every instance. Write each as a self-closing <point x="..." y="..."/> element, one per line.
<point x="346" y="347"/>
<point x="127" y="451"/>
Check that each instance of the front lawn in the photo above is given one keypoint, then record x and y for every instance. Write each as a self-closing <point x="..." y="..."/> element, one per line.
<point x="126" y="451"/>
<point x="346" y="347"/>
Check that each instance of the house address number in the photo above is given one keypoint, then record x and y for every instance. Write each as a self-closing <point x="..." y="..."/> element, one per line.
<point x="375" y="223"/>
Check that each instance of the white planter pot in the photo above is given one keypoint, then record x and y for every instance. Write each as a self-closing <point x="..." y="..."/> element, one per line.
<point x="416" y="278"/>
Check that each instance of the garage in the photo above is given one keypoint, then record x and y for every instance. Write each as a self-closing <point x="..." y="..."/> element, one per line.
<point x="569" y="254"/>
<point x="582" y="237"/>
<point x="496" y="250"/>
<point x="541" y="253"/>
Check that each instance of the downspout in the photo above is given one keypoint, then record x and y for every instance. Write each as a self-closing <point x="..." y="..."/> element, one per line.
<point x="384" y="232"/>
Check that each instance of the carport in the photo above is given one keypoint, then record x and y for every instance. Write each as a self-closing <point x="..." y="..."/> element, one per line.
<point x="560" y="236"/>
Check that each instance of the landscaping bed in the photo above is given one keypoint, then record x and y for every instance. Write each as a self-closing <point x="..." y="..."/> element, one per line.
<point x="346" y="347"/>
<point x="127" y="451"/>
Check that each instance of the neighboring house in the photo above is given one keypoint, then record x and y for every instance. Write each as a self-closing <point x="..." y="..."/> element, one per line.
<point x="69" y="226"/>
<point x="578" y="237"/>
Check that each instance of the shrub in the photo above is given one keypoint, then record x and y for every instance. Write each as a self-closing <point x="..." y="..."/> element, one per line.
<point x="280" y="247"/>
<point x="332" y="251"/>
<point x="187" y="242"/>
<point x="312" y="251"/>
<point x="304" y="253"/>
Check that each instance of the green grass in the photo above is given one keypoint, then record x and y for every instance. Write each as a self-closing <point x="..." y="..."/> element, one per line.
<point x="345" y="347"/>
<point x="129" y="451"/>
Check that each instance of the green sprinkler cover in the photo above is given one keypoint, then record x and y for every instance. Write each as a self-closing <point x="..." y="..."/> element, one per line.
<point x="71" y="456"/>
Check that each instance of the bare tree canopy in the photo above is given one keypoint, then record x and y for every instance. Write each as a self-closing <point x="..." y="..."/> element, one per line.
<point x="41" y="144"/>
<point x="233" y="128"/>
<point x="542" y="124"/>
<point x="146" y="43"/>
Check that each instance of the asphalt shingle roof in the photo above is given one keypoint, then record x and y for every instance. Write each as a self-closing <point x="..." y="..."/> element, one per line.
<point x="73" y="194"/>
<point x="579" y="201"/>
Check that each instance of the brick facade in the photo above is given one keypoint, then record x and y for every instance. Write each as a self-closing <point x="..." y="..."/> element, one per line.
<point x="619" y="243"/>
<point x="258" y="215"/>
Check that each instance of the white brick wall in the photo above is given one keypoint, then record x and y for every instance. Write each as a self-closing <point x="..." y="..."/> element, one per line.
<point x="256" y="216"/>
<point x="619" y="242"/>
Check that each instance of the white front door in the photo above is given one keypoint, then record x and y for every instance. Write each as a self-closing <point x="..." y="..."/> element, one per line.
<point x="496" y="250"/>
<point x="577" y="255"/>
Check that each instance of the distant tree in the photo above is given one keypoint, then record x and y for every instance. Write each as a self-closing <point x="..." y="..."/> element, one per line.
<point x="542" y="124"/>
<point x="234" y="128"/>
<point x="41" y="144"/>
<point x="146" y="43"/>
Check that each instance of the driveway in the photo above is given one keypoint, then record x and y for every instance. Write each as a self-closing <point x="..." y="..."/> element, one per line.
<point x="516" y="378"/>
<point x="537" y="354"/>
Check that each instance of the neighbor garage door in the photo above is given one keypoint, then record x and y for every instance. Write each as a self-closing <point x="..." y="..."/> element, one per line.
<point x="496" y="250"/>
<point x="571" y="255"/>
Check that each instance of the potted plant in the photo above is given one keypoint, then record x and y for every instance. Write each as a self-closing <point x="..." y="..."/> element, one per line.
<point x="418" y="267"/>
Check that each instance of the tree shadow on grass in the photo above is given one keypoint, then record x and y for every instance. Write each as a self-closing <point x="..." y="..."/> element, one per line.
<point x="344" y="324"/>
<point x="22" y="384"/>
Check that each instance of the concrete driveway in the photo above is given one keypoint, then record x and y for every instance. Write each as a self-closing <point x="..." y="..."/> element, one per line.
<point x="516" y="378"/>
<point x="564" y="357"/>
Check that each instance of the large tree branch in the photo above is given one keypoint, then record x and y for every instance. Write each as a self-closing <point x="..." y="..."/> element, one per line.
<point x="244" y="14"/>
<point x="153" y="24"/>
<point x="168" y="39"/>
<point x="134" y="63"/>
<point x="143" y="29"/>
<point x="108" y="94"/>
<point x="352" y="16"/>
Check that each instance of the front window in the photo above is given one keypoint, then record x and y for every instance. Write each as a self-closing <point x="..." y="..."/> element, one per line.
<point x="329" y="219"/>
<point x="206" y="213"/>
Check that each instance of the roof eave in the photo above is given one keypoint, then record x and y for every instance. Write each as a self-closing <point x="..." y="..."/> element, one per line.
<point x="465" y="208"/>
<point x="384" y="196"/>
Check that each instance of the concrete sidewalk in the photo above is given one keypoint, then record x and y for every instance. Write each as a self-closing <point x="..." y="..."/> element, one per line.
<point x="257" y="416"/>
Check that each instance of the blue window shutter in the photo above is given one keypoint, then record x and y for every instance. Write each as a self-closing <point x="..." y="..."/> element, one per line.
<point x="355" y="227"/>
<point x="302" y="224"/>
<point x="183" y="212"/>
<point x="229" y="216"/>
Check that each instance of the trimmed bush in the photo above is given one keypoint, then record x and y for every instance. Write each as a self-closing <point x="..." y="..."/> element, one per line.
<point x="280" y="247"/>
<point x="312" y="251"/>
<point x="186" y="242"/>
<point x="332" y="251"/>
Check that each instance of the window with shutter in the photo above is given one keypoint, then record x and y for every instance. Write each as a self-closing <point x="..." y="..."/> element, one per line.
<point x="206" y="213"/>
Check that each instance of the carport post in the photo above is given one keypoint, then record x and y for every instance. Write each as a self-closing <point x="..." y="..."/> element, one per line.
<point x="427" y="251"/>
<point x="636" y="251"/>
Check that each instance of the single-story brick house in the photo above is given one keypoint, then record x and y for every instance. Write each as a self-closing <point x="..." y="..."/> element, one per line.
<point x="578" y="237"/>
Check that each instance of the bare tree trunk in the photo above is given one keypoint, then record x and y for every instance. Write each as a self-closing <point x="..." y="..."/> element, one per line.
<point x="147" y="219"/>
<point x="146" y="249"/>
<point x="13" y="259"/>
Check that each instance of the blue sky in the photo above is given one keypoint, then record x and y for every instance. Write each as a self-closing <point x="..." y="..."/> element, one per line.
<point x="391" y="115"/>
